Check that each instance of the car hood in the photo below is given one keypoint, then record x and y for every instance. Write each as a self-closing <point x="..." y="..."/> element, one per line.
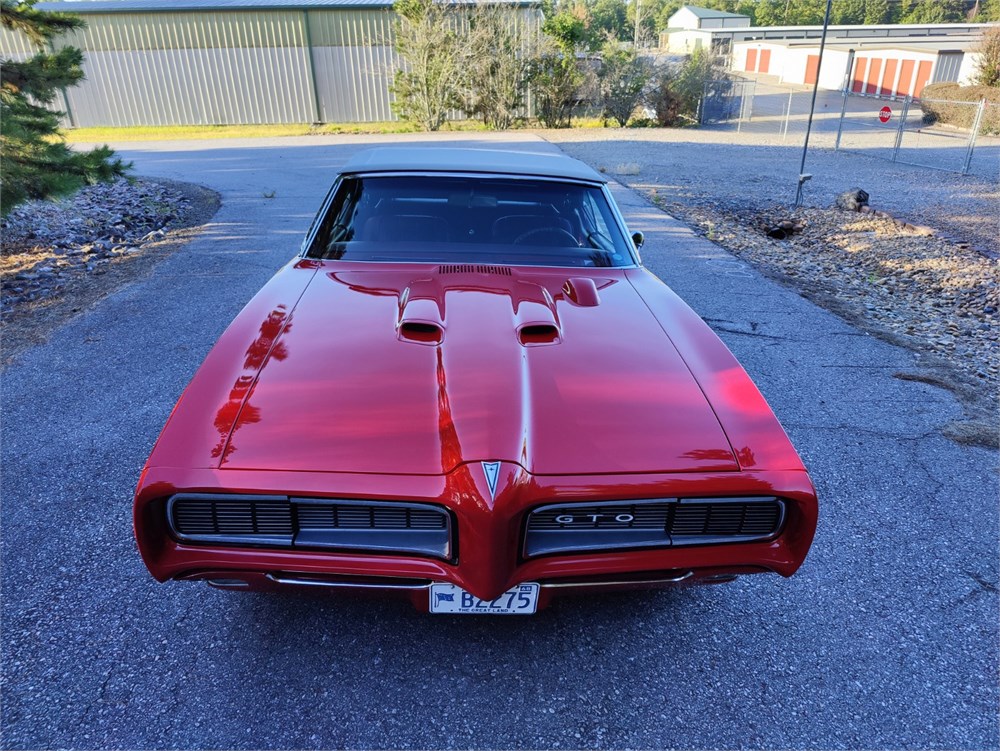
<point x="415" y="370"/>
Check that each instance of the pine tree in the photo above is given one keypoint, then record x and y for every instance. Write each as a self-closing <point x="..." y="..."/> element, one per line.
<point x="848" y="12"/>
<point x="877" y="12"/>
<point x="989" y="10"/>
<point x="805" y="12"/>
<point x="770" y="13"/>
<point x="933" y="11"/>
<point x="36" y="163"/>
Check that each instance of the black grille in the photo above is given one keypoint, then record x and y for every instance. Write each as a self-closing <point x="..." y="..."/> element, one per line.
<point x="670" y="522"/>
<point x="335" y="516"/>
<point x="726" y="519"/>
<point x="205" y="516"/>
<point x="379" y="526"/>
<point x="470" y="268"/>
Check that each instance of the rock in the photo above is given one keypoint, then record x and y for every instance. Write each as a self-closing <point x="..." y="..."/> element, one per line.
<point x="851" y="200"/>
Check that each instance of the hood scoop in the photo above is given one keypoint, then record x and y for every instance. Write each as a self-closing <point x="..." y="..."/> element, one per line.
<point x="421" y="314"/>
<point x="538" y="333"/>
<point x="421" y="332"/>
<point x="582" y="291"/>
<point x="536" y="323"/>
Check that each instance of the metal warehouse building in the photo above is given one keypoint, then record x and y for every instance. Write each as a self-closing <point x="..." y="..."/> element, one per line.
<point x="188" y="62"/>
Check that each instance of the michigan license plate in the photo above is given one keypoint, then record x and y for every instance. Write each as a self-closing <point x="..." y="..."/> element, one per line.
<point x="518" y="600"/>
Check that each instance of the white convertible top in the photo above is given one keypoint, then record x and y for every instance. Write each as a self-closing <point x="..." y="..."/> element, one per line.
<point x="492" y="161"/>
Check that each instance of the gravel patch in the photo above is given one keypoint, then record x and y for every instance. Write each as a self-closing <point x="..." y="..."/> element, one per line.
<point x="722" y="169"/>
<point x="937" y="293"/>
<point x="59" y="257"/>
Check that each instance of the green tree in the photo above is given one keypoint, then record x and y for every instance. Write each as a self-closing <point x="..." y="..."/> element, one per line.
<point x="556" y="84"/>
<point x="499" y="51"/>
<point x="989" y="10"/>
<point x="747" y="8"/>
<point x="567" y="29"/>
<point x="877" y="12"/>
<point x="805" y="12"/>
<point x="607" y="18"/>
<point x="770" y="12"/>
<point x="987" y="71"/>
<point x="678" y="89"/>
<point x="429" y="83"/>
<point x="556" y="76"/>
<point x="648" y="11"/>
<point x="36" y="162"/>
<point x="932" y="11"/>
<point x="661" y="17"/>
<point x="622" y="77"/>
<point x="848" y="12"/>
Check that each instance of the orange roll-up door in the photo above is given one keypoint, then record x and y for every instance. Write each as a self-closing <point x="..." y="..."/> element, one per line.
<point x="812" y="68"/>
<point x="751" y="61"/>
<point x="873" y="71"/>
<point x="859" y="74"/>
<point x="923" y="76"/>
<point x="905" y="85"/>
<point x="888" y="77"/>
<point x="765" y="61"/>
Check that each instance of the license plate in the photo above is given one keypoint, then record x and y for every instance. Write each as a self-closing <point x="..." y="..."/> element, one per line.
<point x="521" y="599"/>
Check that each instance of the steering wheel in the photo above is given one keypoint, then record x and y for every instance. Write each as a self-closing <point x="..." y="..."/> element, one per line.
<point x="557" y="237"/>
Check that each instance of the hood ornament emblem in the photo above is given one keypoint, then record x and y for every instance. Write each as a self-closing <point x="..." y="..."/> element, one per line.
<point x="492" y="472"/>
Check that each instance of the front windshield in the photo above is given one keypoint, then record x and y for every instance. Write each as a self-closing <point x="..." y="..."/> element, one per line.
<point x="440" y="219"/>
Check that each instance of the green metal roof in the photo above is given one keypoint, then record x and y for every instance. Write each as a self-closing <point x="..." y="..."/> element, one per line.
<point x="709" y="13"/>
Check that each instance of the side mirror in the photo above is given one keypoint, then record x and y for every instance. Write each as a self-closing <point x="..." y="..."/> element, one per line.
<point x="638" y="239"/>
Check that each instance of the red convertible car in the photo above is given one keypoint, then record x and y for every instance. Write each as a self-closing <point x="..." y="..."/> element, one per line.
<point x="467" y="390"/>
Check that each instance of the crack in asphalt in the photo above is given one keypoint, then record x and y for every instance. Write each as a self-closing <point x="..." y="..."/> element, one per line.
<point x="986" y="586"/>
<point x="756" y="334"/>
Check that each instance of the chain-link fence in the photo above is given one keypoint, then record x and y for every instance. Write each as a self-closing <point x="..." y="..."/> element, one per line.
<point x="905" y="130"/>
<point x="894" y="128"/>
<point x="724" y="102"/>
<point x="757" y="107"/>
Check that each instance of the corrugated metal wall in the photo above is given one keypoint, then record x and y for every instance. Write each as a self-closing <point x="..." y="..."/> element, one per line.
<point x="231" y="67"/>
<point x="354" y="64"/>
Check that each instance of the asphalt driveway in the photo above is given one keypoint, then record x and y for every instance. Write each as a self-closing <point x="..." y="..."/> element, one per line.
<point x="886" y="638"/>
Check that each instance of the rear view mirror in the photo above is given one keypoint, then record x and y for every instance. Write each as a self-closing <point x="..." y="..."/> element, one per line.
<point x="638" y="239"/>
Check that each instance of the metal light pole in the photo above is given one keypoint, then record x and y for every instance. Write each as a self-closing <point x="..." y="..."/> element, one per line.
<point x="812" y="109"/>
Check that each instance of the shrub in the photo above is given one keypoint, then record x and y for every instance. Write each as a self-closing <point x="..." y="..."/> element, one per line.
<point x="666" y="103"/>
<point x="499" y="54"/>
<point x="622" y="78"/>
<point x="677" y="90"/>
<point x="428" y="84"/>
<point x="556" y="81"/>
<point x="951" y="104"/>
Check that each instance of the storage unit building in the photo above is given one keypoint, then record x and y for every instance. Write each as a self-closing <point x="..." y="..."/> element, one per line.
<point x="873" y="66"/>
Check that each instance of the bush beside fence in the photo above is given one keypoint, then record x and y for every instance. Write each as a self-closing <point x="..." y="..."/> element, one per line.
<point x="951" y="104"/>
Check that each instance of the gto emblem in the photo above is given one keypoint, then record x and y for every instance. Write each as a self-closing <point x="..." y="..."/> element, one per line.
<point x="594" y="518"/>
<point x="492" y="472"/>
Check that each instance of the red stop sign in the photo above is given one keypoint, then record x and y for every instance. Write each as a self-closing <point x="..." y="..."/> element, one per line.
<point x="884" y="114"/>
